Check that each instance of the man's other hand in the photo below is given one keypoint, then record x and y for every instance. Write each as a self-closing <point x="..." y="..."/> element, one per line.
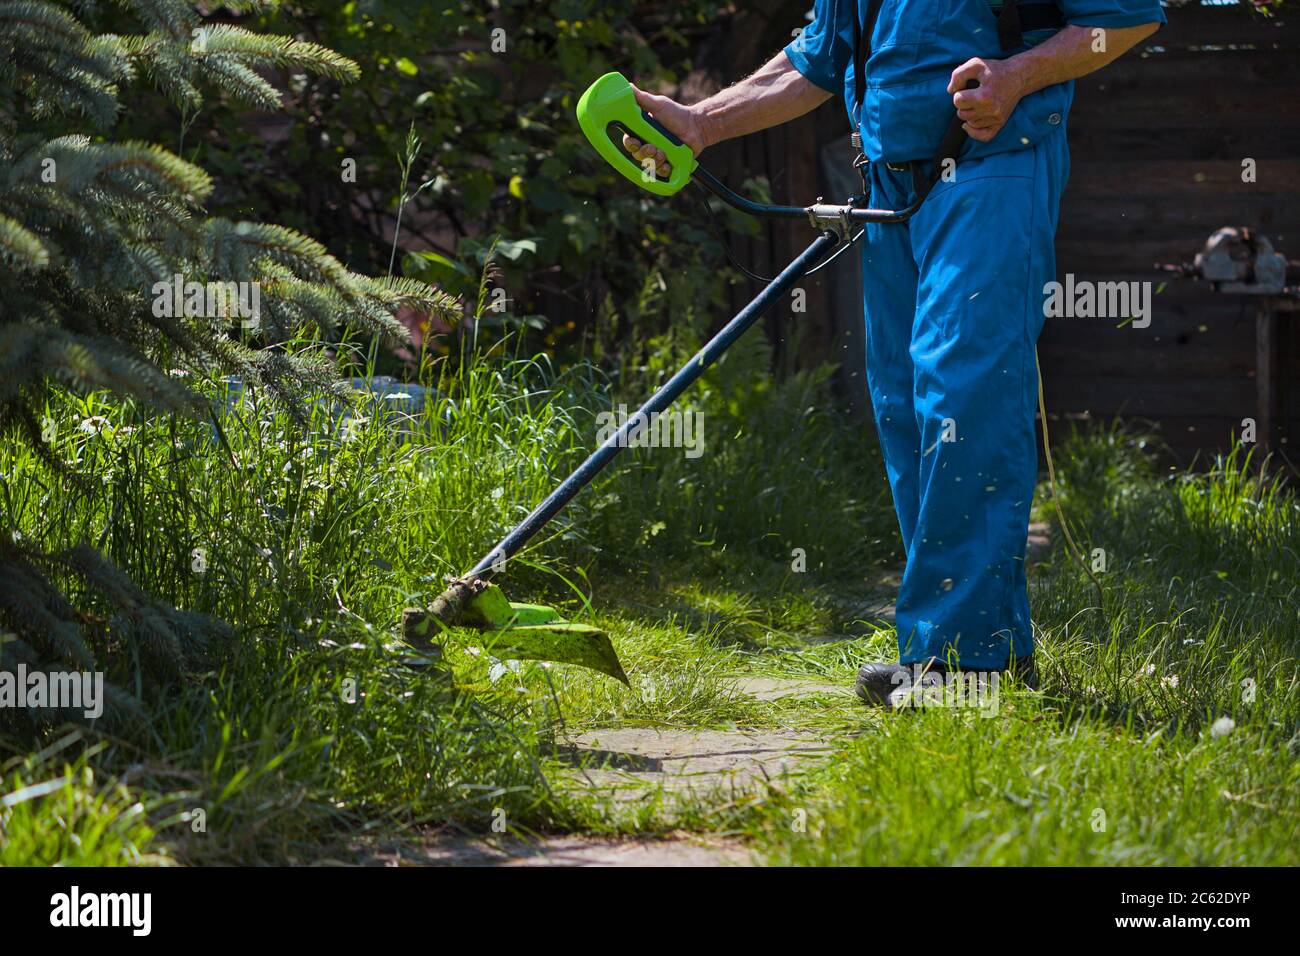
<point x="986" y="109"/>
<point x="680" y="120"/>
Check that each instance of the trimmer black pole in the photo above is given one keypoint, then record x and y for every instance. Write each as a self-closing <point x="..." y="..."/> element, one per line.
<point x="658" y="402"/>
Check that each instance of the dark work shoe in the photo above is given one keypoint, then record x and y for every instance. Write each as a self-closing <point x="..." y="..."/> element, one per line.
<point x="891" y="685"/>
<point x="887" y="685"/>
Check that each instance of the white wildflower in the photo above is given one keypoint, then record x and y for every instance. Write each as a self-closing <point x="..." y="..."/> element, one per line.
<point x="1222" y="727"/>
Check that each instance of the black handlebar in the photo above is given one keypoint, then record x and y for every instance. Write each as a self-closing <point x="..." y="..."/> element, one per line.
<point x="949" y="147"/>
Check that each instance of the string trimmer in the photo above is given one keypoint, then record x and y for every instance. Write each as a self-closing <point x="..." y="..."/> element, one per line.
<point x="606" y="112"/>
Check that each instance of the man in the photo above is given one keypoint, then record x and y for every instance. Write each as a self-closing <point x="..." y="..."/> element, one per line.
<point x="954" y="297"/>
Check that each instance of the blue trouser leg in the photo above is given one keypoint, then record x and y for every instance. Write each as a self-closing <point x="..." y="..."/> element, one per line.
<point x="963" y="467"/>
<point x="889" y="285"/>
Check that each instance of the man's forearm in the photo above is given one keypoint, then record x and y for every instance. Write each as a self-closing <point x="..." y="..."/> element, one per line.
<point x="775" y="94"/>
<point x="1067" y="55"/>
<point x="1074" y="52"/>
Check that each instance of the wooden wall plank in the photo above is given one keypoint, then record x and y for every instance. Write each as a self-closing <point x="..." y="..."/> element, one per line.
<point x="1221" y="26"/>
<point x="1107" y="177"/>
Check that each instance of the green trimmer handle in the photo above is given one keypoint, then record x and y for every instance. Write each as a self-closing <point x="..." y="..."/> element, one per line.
<point x="608" y="110"/>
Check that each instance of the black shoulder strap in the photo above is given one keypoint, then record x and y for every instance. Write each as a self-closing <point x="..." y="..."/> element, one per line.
<point x="1010" y="34"/>
<point x="862" y="50"/>
<point x="1011" y="27"/>
<point x="1015" y="21"/>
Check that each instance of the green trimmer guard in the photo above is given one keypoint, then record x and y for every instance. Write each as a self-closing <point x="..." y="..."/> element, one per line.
<point x="518" y="631"/>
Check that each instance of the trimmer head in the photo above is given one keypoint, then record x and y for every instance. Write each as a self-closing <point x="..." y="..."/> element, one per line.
<point x="514" y="631"/>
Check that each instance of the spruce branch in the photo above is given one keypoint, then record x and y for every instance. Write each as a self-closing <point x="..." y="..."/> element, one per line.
<point x="22" y="248"/>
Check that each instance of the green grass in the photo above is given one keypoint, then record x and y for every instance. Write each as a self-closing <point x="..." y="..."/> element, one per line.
<point x="314" y="728"/>
<point x="1117" y="760"/>
<point x="1040" y="785"/>
<point x="314" y="721"/>
<point x="56" y="808"/>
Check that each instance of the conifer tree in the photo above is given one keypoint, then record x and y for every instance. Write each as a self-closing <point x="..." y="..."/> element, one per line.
<point x="94" y="233"/>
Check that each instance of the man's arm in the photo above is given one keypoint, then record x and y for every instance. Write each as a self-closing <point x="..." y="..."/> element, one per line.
<point x="1069" y="54"/>
<point x="775" y="94"/>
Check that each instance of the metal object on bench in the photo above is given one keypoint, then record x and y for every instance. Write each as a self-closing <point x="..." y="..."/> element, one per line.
<point x="1238" y="260"/>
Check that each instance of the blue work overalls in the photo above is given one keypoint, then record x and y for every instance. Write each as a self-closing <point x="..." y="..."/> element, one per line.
<point x="954" y="306"/>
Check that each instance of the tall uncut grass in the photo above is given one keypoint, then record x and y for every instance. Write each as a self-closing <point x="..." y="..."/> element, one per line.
<point x="310" y="537"/>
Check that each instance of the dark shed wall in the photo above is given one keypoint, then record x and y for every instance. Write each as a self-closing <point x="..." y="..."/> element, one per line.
<point x="1158" y="141"/>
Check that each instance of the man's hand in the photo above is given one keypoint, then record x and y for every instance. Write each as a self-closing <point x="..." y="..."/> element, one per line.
<point x="1066" y="55"/>
<point x="985" y="110"/>
<point x="682" y="121"/>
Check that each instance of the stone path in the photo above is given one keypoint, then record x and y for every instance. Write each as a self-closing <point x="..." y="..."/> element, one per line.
<point x="1039" y="543"/>
<point x="567" y="850"/>
<point x="774" y="688"/>
<point x="624" y="762"/>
